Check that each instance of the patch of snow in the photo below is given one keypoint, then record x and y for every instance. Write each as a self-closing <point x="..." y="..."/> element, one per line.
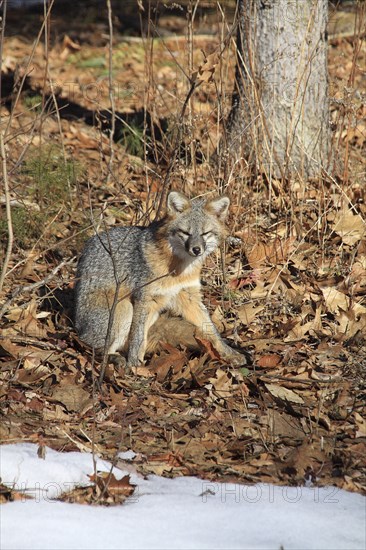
<point x="176" y="513"/>
<point x="127" y="455"/>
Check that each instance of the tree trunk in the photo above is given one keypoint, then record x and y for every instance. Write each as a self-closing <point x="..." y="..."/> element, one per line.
<point x="279" y="118"/>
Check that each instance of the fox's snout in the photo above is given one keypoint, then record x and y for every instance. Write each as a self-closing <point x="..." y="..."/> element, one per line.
<point x="197" y="250"/>
<point x="194" y="247"/>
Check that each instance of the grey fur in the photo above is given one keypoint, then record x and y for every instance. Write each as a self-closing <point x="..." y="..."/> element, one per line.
<point x="108" y="258"/>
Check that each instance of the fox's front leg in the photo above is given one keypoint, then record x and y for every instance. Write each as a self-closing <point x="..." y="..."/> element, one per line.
<point x="144" y="315"/>
<point x="189" y="305"/>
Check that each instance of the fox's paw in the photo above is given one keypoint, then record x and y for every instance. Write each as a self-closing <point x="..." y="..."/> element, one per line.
<point x="234" y="358"/>
<point x="133" y="362"/>
<point x="117" y="360"/>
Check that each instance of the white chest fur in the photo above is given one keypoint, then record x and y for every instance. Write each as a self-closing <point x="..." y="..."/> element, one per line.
<point x="171" y="290"/>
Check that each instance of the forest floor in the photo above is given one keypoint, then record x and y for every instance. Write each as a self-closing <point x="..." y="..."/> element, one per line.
<point x="291" y="293"/>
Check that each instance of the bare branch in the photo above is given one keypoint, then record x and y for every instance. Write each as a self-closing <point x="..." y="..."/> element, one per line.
<point x="8" y="211"/>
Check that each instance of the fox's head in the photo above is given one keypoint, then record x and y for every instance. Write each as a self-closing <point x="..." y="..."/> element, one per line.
<point x="196" y="226"/>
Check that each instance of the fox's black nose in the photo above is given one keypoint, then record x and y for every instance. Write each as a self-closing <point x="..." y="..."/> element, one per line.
<point x="196" y="250"/>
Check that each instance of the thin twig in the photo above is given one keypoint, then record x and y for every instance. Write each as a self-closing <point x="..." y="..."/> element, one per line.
<point x="111" y="92"/>
<point x="4" y="5"/>
<point x="293" y="380"/>
<point x="5" y="170"/>
<point x="40" y="344"/>
<point x="8" y="212"/>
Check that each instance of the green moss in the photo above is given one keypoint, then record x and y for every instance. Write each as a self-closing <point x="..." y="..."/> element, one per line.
<point x="53" y="178"/>
<point x="132" y="140"/>
<point x="33" y="103"/>
<point x="27" y="226"/>
<point x="92" y="63"/>
<point x="49" y="182"/>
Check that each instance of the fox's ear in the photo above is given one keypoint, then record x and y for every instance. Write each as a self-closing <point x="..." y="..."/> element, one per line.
<point x="219" y="207"/>
<point x="177" y="202"/>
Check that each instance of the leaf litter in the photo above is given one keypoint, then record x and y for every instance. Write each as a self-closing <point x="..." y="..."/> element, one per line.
<point x="294" y="413"/>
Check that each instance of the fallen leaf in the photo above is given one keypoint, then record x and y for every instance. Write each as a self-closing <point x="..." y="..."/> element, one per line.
<point x="206" y="71"/>
<point x="221" y="383"/>
<point x="335" y="299"/>
<point x="33" y="374"/>
<point x="349" y="226"/>
<point x="208" y="347"/>
<point x="106" y="481"/>
<point x="272" y="253"/>
<point x="361" y="425"/>
<point x="284" y="393"/>
<point x="298" y="330"/>
<point x="170" y="360"/>
<point x="68" y="46"/>
<point x="72" y="396"/>
<point x="248" y="312"/>
<point x="269" y="361"/>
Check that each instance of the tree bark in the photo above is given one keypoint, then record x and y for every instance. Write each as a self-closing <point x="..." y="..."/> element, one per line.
<point x="279" y="118"/>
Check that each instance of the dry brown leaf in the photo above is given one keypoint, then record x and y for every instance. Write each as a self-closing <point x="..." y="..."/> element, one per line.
<point x="12" y="349"/>
<point x="222" y="384"/>
<point x="349" y="226"/>
<point x="206" y="71"/>
<point x="317" y="324"/>
<point x="264" y="459"/>
<point x="208" y="347"/>
<point x="248" y="312"/>
<point x="33" y="357"/>
<point x="350" y="484"/>
<point x="261" y="290"/>
<point x="361" y="425"/>
<point x="269" y="361"/>
<point x="106" y="481"/>
<point x="15" y="314"/>
<point x="171" y="360"/>
<point x="71" y="395"/>
<point x="310" y="455"/>
<point x="284" y="393"/>
<point x="335" y="300"/>
<point x="145" y="372"/>
<point x="273" y="253"/>
<point x="357" y="276"/>
<point x="68" y="46"/>
<point x="106" y="491"/>
<point x="56" y="414"/>
<point x="119" y="400"/>
<point x="33" y="375"/>
<point x="349" y="324"/>
<point x="173" y="459"/>
<point x="257" y="255"/>
<point x="27" y="322"/>
<point x="165" y="463"/>
<point x="282" y="425"/>
<point x="298" y="331"/>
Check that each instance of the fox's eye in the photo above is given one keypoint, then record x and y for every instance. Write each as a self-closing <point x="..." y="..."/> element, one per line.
<point x="185" y="233"/>
<point x="206" y="233"/>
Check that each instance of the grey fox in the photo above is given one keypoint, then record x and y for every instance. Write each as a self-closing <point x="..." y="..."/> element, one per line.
<point x="138" y="272"/>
